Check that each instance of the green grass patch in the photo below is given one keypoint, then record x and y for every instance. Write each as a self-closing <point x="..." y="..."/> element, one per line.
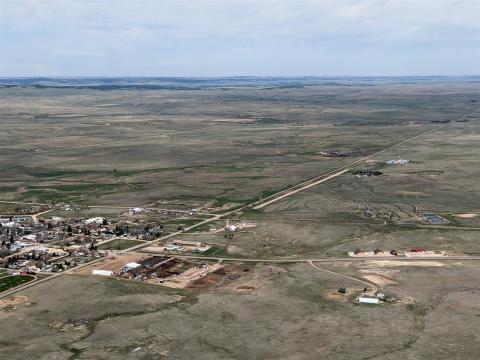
<point x="119" y="244"/>
<point x="13" y="281"/>
<point x="216" y="250"/>
<point x="63" y="173"/>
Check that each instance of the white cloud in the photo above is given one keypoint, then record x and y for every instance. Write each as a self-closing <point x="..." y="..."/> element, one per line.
<point x="153" y="30"/>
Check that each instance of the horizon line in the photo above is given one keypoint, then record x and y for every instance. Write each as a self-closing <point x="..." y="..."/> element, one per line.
<point x="218" y="77"/>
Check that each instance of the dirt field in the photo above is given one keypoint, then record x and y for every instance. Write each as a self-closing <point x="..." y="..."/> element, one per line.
<point x="184" y="279"/>
<point x="112" y="263"/>
<point x="282" y="313"/>
<point x="13" y="301"/>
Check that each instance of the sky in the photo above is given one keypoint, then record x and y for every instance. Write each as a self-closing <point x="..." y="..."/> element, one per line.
<point x="239" y="38"/>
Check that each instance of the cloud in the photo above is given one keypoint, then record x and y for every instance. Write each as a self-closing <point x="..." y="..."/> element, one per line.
<point x="189" y="32"/>
<point x="74" y="52"/>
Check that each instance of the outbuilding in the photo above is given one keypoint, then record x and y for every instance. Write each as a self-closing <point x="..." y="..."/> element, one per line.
<point x="368" y="300"/>
<point x="131" y="266"/>
<point x="231" y="228"/>
<point x="102" y="272"/>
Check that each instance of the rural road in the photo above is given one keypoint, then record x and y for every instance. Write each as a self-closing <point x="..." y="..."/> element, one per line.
<point x="259" y="260"/>
<point x="373" y="287"/>
<point x="342" y="169"/>
<point x="273" y="198"/>
<point x="300" y="189"/>
<point x="325" y="259"/>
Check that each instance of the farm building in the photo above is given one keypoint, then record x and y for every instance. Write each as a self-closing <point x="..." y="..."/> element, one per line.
<point x="397" y="162"/>
<point x="102" y="272"/>
<point x="368" y="300"/>
<point x="131" y="266"/>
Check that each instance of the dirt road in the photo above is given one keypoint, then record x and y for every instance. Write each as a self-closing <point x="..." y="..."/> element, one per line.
<point x="373" y="287"/>
<point x="273" y="198"/>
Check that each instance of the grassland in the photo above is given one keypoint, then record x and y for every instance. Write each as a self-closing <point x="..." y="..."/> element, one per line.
<point x="287" y="315"/>
<point x="119" y="244"/>
<point x="192" y="148"/>
<point x="216" y="150"/>
<point x="9" y="282"/>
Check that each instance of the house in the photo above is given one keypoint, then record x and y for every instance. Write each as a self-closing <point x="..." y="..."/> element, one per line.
<point x="17" y="245"/>
<point x="56" y="219"/>
<point x="137" y="210"/>
<point x="173" y="247"/>
<point x="231" y="228"/>
<point x="95" y="220"/>
<point x="30" y="237"/>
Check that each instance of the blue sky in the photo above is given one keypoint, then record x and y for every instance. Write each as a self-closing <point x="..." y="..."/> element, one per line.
<point x="228" y="38"/>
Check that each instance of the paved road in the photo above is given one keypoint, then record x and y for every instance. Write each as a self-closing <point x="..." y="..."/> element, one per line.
<point x="324" y="259"/>
<point x="262" y="205"/>
<point x="259" y="260"/>
<point x="268" y="200"/>
<point x="340" y="170"/>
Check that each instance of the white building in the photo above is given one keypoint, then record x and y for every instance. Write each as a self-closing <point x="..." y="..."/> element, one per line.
<point x="95" y="220"/>
<point x="137" y="210"/>
<point x="102" y="272"/>
<point x="130" y="266"/>
<point x="368" y="300"/>
<point x="30" y="237"/>
<point x="397" y="162"/>
<point x="231" y="228"/>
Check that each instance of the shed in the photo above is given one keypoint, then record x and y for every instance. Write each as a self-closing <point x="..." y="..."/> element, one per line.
<point x="131" y="266"/>
<point x="368" y="300"/>
<point x="102" y="272"/>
